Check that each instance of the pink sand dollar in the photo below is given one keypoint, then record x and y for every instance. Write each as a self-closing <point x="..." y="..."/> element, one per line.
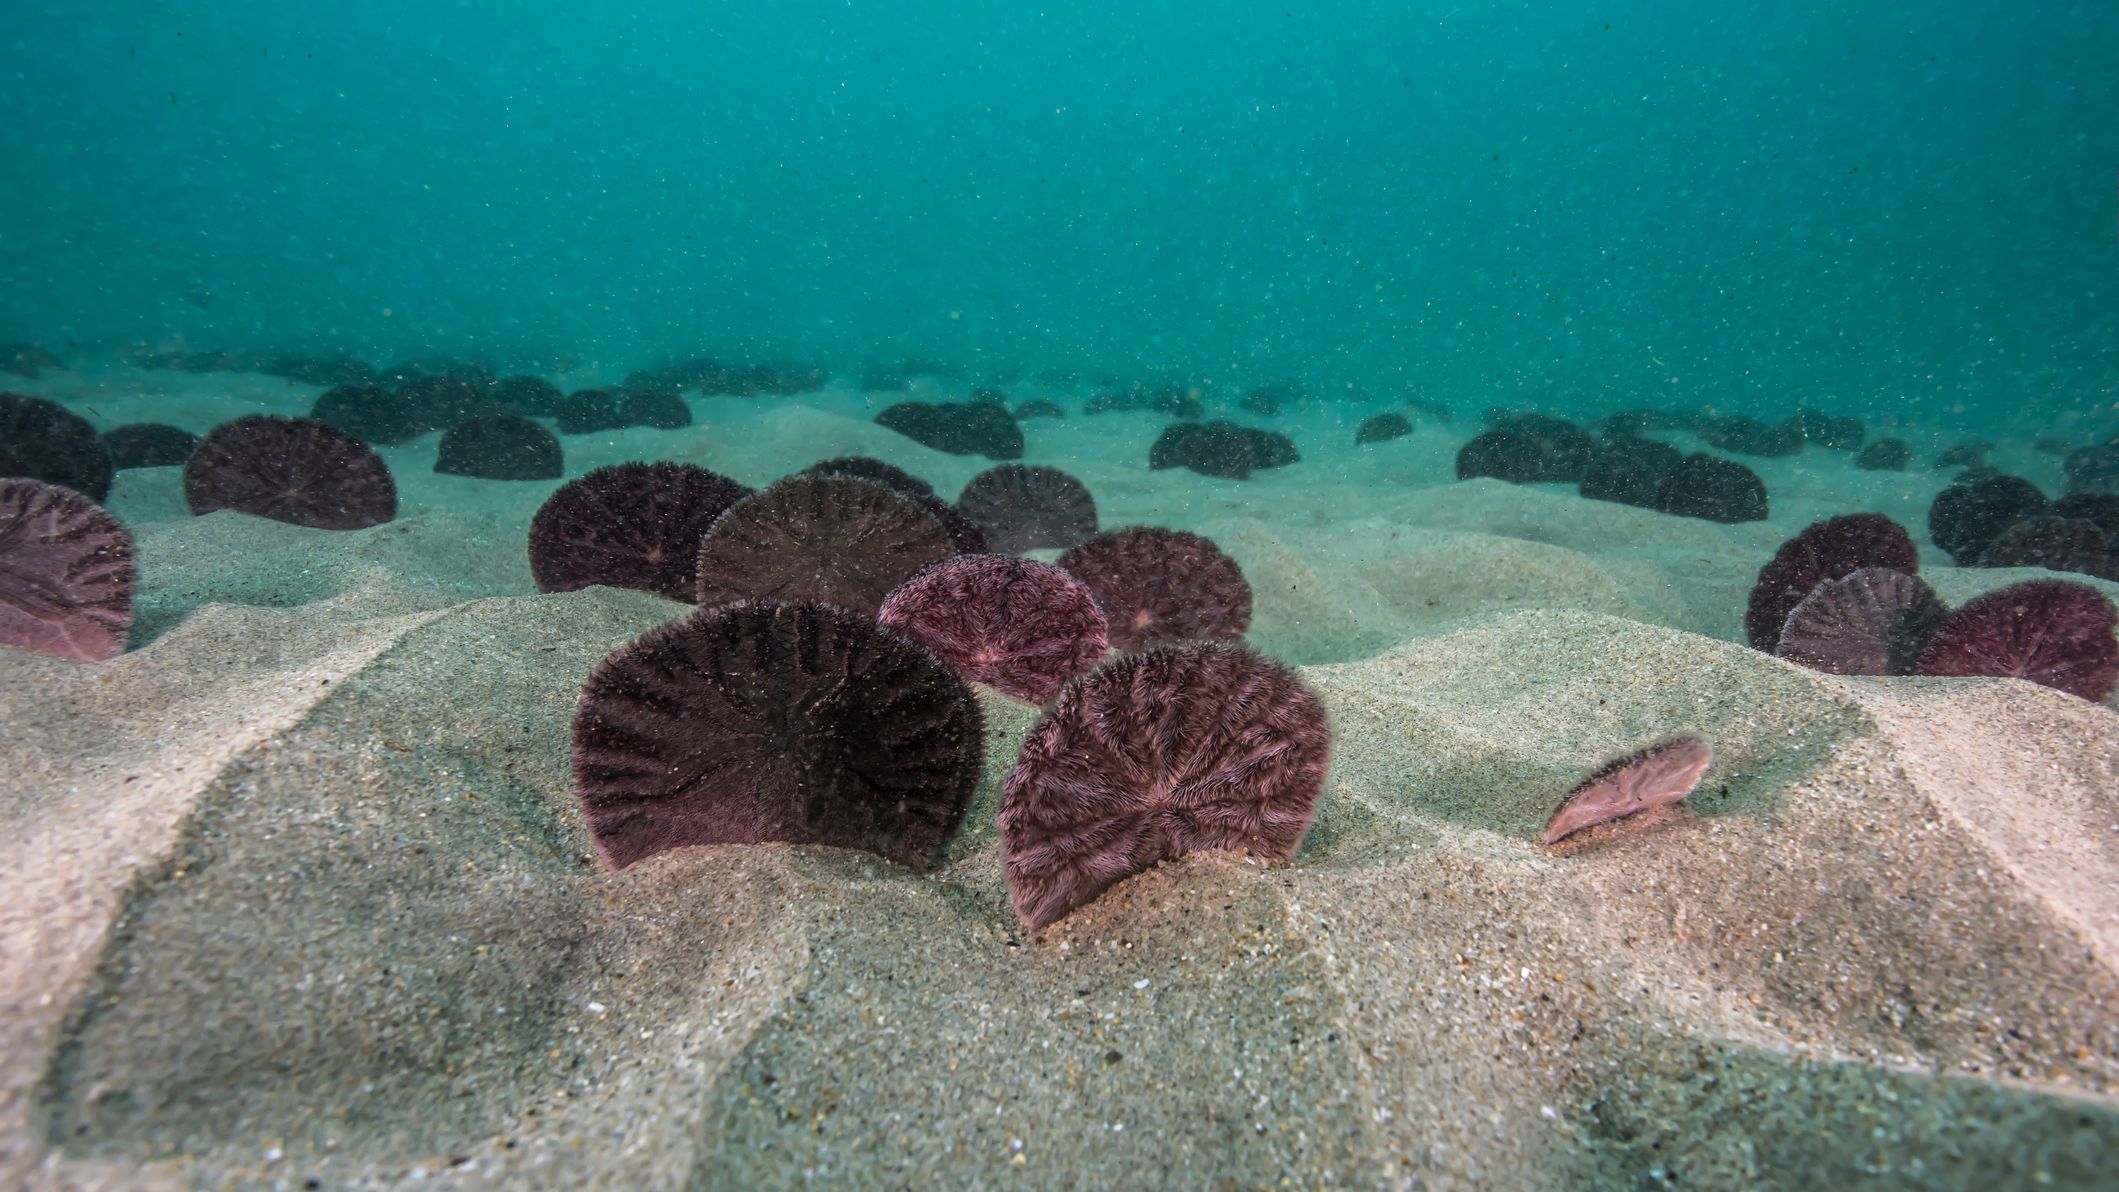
<point x="1019" y="626"/>
<point x="1655" y="777"/>
<point x="66" y="573"/>
<point x="1159" y="586"/>
<point x="1197" y="746"/>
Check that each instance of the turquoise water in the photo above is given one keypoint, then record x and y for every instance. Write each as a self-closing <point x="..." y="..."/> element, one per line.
<point x="1566" y="205"/>
<point x="710" y="596"/>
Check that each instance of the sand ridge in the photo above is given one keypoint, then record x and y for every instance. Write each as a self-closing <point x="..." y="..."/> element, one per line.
<point x="349" y="929"/>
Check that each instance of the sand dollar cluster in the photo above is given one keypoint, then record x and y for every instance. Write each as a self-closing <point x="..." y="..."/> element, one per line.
<point x="1844" y="597"/>
<point x="821" y="691"/>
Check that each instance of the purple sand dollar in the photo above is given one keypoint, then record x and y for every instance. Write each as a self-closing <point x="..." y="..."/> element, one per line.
<point x="1019" y="626"/>
<point x="66" y="573"/>
<point x="2054" y="632"/>
<point x="1160" y="585"/>
<point x="634" y="525"/>
<point x="1206" y="745"/>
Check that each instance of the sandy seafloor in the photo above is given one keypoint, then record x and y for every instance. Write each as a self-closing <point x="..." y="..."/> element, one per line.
<point x="295" y="893"/>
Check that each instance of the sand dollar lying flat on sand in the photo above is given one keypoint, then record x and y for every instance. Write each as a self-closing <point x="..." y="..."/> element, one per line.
<point x="1654" y="777"/>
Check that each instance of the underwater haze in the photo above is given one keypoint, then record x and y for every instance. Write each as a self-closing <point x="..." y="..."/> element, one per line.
<point x="1564" y="204"/>
<point x="983" y="595"/>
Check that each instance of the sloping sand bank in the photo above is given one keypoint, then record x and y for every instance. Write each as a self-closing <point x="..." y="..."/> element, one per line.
<point x="297" y="890"/>
<point x="286" y="943"/>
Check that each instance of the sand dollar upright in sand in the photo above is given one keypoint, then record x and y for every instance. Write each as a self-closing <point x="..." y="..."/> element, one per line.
<point x="869" y="468"/>
<point x="500" y="447"/>
<point x="1824" y="550"/>
<point x="969" y="539"/>
<point x="826" y="539"/>
<point x="758" y="722"/>
<point x="66" y="573"/>
<point x="629" y="526"/>
<point x="1018" y="626"/>
<point x="2054" y="543"/>
<point x="1966" y="517"/>
<point x="960" y="428"/>
<point x="43" y="440"/>
<point x="1159" y="585"/>
<point x="149" y="445"/>
<point x="370" y="413"/>
<point x="1199" y="746"/>
<point x="2054" y="632"/>
<point x="1020" y="507"/>
<point x="1713" y="489"/>
<point x="292" y="470"/>
<point x="1875" y="621"/>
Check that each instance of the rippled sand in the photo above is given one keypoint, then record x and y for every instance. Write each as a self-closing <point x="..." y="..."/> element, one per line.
<point x="297" y="889"/>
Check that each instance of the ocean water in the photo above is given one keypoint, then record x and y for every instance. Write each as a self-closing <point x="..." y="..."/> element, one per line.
<point x="1577" y="632"/>
<point x="1882" y="205"/>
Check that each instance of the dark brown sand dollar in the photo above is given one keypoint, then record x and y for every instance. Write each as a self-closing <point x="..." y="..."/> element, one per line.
<point x="66" y="573"/>
<point x="1016" y="625"/>
<point x="292" y="470"/>
<point x="2054" y="543"/>
<point x="825" y="539"/>
<point x="1655" y="777"/>
<point x="632" y="525"/>
<point x="964" y="534"/>
<point x="1022" y="507"/>
<point x="867" y="467"/>
<point x="371" y="413"/>
<point x="43" y="440"/>
<point x="1382" y="428"/>
<point x="527" y="396"/>
<point x="502" y="447"/>
<point x="967" y="536"/>
<point x="1162" y="586"/>
<point x="758" y="722"/>
<point x="1873" y="621"/>
<point x="1201" y="746"/>
<point x="149" y="445"/>
<point x="1969" y="514"/>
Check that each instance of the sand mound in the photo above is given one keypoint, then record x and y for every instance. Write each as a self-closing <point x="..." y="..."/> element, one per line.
<point x="299" y="890"/>
<point x="357" y="937"/>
